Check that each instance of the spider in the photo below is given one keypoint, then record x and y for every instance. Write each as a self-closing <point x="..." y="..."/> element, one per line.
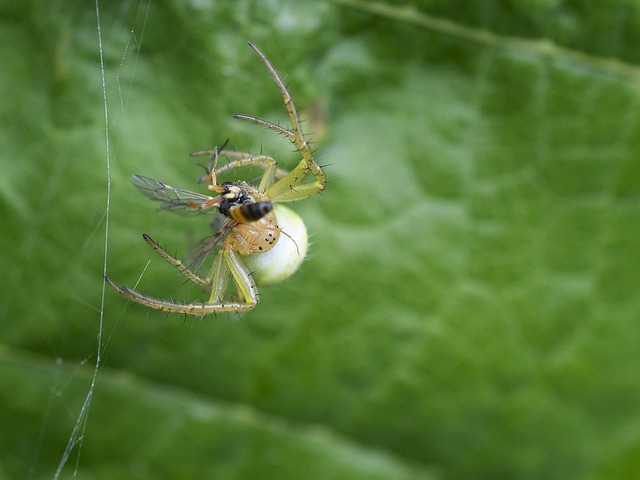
<point x="262" y="241"/>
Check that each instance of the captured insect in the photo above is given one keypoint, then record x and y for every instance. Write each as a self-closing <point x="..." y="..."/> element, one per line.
<point x="259" y="240"/>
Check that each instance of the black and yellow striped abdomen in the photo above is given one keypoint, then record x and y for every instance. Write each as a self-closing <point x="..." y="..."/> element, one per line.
<point x="250" y="212"/>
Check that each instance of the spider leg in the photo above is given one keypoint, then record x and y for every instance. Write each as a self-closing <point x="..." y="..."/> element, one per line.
<point x="242" y="276"/>
<point x="195" y="308"/>
<point x="182" y="268"/>
<point x="243" y="159"/>
<point x="219" y="279"/>
<point x="226" y="261"/>
<point x="290" y="187"/>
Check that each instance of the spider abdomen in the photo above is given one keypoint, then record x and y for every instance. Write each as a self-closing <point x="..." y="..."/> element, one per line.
<point x="285" y="257"/>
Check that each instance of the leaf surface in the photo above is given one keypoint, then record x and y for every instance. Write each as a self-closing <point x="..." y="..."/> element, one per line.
<point x="469" y="308"/>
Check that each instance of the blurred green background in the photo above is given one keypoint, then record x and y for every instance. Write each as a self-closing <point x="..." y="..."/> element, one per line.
<point x="470" y="306"/>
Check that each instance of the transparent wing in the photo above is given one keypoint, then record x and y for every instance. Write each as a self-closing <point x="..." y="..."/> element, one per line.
<point x="200" y="250"/>
<point x="176" y="200"/>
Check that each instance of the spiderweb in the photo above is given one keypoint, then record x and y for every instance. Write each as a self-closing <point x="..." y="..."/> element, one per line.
<point x="74" y="445"/>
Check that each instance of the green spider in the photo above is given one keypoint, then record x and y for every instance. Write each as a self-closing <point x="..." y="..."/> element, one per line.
<point x="262" y="242"/>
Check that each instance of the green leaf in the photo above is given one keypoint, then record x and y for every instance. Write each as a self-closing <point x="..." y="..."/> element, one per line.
<point x="469" y="308"/>
<point x="136" y="429"/>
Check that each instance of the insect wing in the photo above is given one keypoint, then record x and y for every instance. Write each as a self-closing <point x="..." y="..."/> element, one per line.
<point x="175" y="200"/>
<point x="199" y="251"/>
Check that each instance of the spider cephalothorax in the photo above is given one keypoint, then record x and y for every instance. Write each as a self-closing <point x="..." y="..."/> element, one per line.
<point x="260" y="240"/>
